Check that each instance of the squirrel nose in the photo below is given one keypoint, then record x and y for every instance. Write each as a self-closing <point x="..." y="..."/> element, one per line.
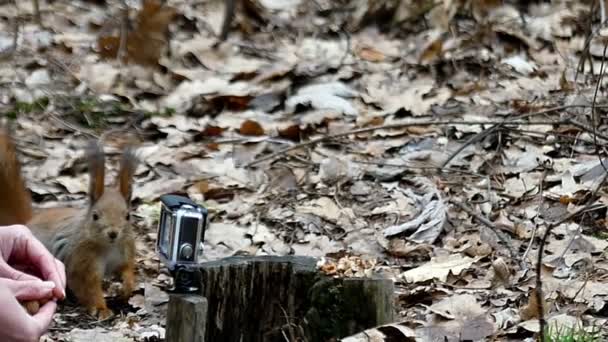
<point x="112" y="235"/>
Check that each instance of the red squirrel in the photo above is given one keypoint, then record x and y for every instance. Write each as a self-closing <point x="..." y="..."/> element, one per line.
<point x="92" y="242"/>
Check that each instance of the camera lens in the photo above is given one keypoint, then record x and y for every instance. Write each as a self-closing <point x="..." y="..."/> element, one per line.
<point x="186" y="251"/>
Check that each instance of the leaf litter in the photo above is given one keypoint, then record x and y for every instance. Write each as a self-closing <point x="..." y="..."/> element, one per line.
<point x="429" y="143"/>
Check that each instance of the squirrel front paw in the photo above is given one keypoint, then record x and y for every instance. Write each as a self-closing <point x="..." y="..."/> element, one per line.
<point x="127" y="289"/>
<point x="128" y="282"/>
<point x="101" y="313"/>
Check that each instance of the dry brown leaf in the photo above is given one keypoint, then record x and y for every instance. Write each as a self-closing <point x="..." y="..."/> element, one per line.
<point x="231" y="102"/>
<point x="370" y="54"/>
<point x="212" y="131"/>
<point x="482" y="8"/>
<point x="212" y="192"/>
<point x="293" y="133"/>
<point x="502" y="274"/>
<point x="147" y="41"/>
<point x="439" y="268"/>
<point x="251" y="128"/>
<point x="213" y="146"/>
<point x="459" y="315"/>
<point x="431" y="52"/>
<point x="530" y="310"/>
<point x="401" y="249"/>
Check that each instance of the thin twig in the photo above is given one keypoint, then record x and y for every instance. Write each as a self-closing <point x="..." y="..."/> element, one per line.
<point x="582" y="286"/>
<point x="587" y="128"/>
<point x="593" y="115"/>
<point x="585" y="53"/>
<point x="347" y="49"/>
<point x="511" y="120"/>
<point x="578" y="232"/>
<point x="602" y="10"/>
<point x="486" y="222"/>
<point x="124" y="31"/>
<point x="539" y="290"/>
<point x="37" y="16"/>
<point x="477" y="137"/>
<point x="73" y="127"/>
<point x="540" y="206"/>
<point x="541" y="249"/>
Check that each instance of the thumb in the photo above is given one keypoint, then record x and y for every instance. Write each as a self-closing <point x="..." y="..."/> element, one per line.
<point x="44" y="316"/>
<point x="29" y="289"/>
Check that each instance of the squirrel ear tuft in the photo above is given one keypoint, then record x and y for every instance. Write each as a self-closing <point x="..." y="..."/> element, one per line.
<point x="128" y="164"/>
<point x="97" y="171"/>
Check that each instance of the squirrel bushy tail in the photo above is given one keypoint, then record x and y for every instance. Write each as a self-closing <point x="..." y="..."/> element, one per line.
<point x="15" y="198"/>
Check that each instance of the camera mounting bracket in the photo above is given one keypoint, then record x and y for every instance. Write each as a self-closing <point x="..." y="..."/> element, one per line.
<point x="187" y="279"/>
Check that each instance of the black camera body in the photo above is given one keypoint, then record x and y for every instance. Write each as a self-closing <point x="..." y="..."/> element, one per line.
<point x="181" y="232"/>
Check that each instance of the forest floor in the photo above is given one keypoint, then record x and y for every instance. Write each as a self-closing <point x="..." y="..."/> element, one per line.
<point x="430" y="142"/>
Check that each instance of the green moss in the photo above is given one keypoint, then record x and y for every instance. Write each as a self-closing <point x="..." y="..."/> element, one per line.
<point x="600" y="234"/>
<point x="327" y="303"/>
<point x="27" y="107"/>
<point x="166" y="112"/>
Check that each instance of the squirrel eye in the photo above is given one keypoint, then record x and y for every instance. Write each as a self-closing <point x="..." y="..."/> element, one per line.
<point x="128" y="216"/>
<point x="95" y="216"/>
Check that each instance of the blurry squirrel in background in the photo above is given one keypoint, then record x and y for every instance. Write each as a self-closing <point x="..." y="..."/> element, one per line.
<point x="92" y="242"/>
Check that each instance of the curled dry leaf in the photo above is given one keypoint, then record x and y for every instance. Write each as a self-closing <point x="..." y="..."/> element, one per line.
<point x="211" y="191"/>
<point x="431" y="52"/>
<point x="439" y="268"/>
<point x="401" y="249"/>
<point x="333" y="169"/>
<point x="327" y="96"/>
<point x="428" y="224"/>
<point x="502" y="274"/>
<point x="323" y="207"/>
<point x="282" y="179"/>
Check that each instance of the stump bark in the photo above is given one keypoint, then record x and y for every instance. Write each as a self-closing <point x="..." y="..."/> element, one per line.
<point x="254" y="299"/>
<point x="186" y="318"/>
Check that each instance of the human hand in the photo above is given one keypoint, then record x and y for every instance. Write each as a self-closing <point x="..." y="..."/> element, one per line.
<point x="19" y="247"/>
<point x="15" y="323"/>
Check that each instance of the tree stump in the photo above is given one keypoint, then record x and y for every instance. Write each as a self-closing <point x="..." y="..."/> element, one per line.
<point x="186" y="317"/>
<point x="270" y="298"/>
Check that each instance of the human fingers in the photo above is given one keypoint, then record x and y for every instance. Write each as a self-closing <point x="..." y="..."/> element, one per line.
<point x="48" y="265"/>
<point x="7" y="271"/>
<point x="29" y="289"/>
<point x="29" y="249"/>
<point x="44" y="317"/>
<point x="61" y="270"/>
<point x="16" y="323"/>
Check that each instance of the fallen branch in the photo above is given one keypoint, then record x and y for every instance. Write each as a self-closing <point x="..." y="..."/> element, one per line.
<point x="511" y="121"/>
